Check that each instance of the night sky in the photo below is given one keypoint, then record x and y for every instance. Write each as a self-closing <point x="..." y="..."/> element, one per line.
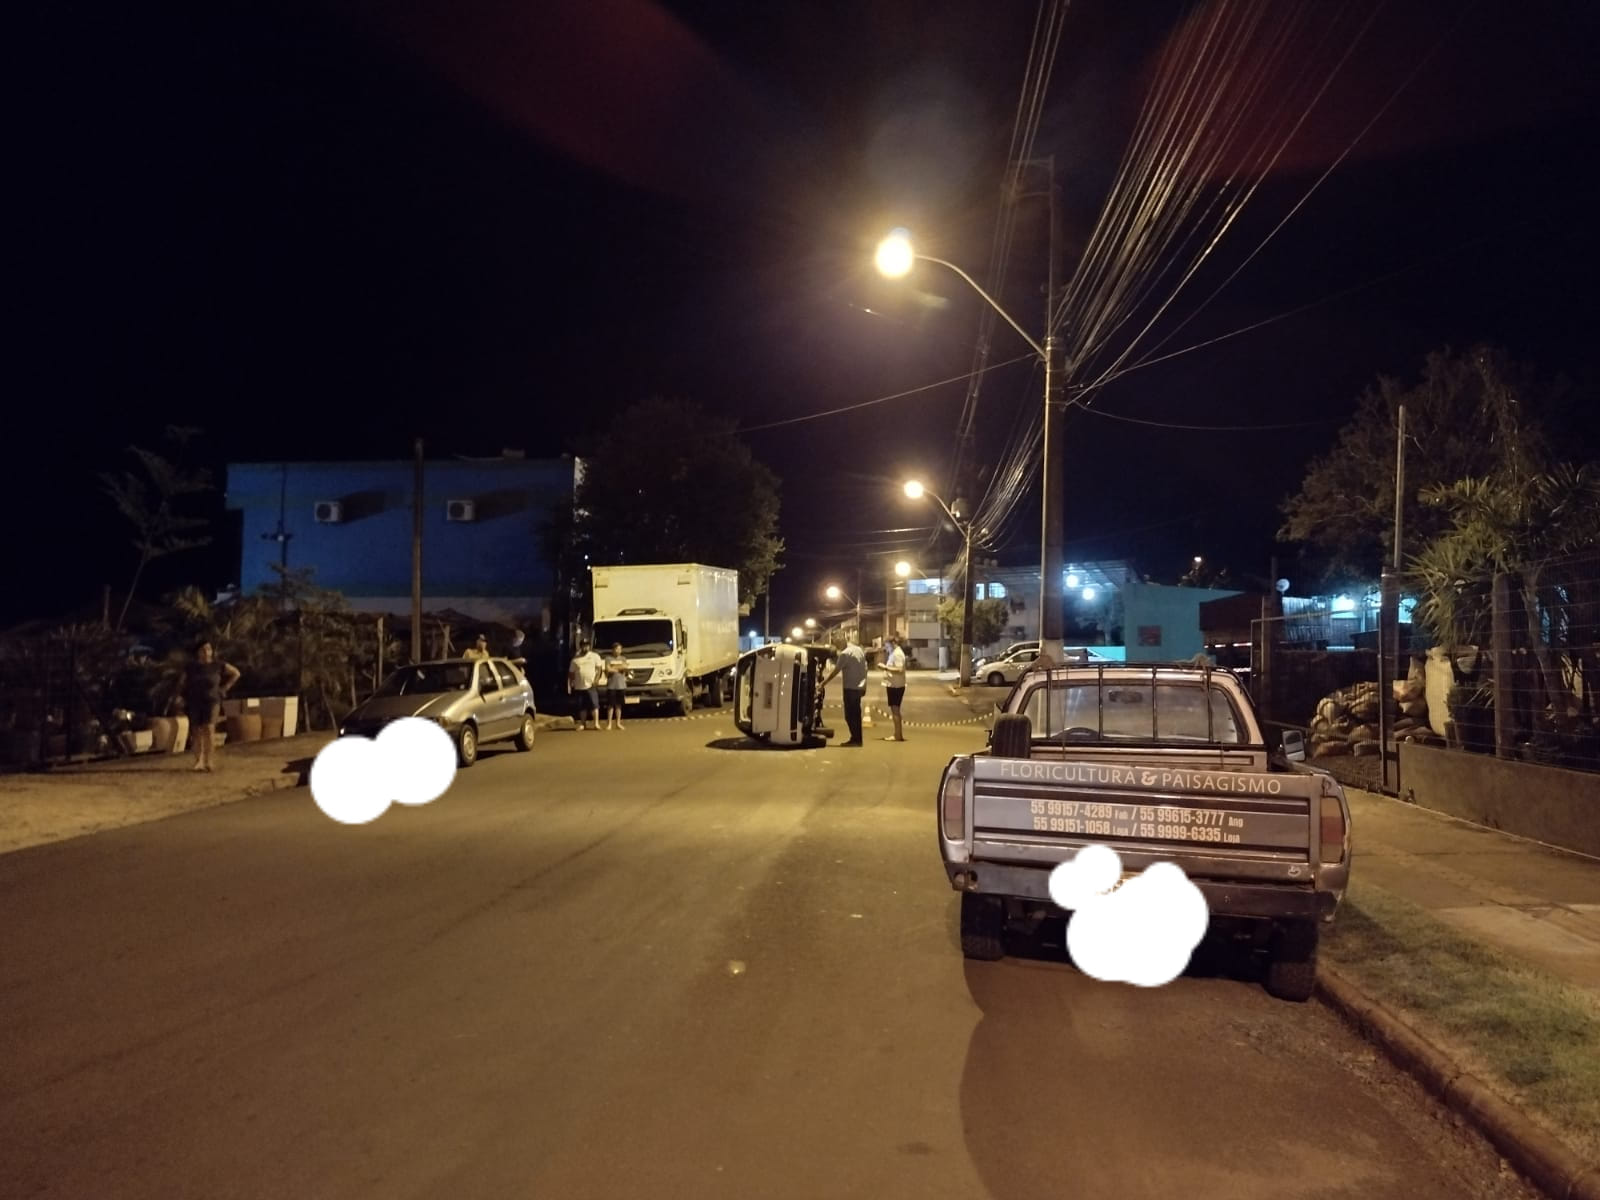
<point x="321" y="230"/>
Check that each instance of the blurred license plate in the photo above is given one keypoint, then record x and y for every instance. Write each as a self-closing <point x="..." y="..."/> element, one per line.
<point x="630" y="699"/>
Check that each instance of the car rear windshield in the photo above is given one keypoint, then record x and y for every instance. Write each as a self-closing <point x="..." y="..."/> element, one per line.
<point x="428" y="679"/>
<point x="1142" y="711"/>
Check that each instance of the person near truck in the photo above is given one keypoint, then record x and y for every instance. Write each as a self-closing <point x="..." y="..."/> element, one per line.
<point x="616" y="668"/>
<point x="852" y="666"/>
<point x="583" y="678"/>
<point x="894" y="680"/>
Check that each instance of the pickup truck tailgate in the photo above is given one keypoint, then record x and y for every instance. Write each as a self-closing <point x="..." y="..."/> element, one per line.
<point x="1243" y="825"/>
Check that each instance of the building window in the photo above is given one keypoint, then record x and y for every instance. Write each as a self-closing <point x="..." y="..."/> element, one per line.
<point x="997" y="591"/>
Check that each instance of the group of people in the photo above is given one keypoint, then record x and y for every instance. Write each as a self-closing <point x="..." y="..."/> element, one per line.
<point x="584" y="677"/>
<point x="852" y="669"/>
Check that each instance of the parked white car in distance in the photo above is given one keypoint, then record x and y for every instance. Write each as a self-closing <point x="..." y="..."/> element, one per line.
<point x="1006" y="669"/>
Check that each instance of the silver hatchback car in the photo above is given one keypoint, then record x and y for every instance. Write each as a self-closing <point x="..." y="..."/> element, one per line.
<point x="475" y="701"/>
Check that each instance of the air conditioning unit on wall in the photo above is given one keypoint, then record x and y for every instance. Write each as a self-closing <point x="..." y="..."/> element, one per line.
<point x="460" y="510"/>
<point x="328" y="512"/>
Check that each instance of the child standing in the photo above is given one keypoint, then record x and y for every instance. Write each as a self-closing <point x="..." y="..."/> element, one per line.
<point x="616" y="686"/>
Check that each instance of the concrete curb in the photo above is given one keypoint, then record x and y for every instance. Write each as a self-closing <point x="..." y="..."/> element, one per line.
<point x="1557" y="1170"/>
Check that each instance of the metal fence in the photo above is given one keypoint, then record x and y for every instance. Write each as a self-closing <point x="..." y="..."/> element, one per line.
<point x="1532" y="695"/>
<point x="74" y="691"/>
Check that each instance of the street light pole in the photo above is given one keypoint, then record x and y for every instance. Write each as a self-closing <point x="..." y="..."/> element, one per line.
<point x="1053" y="534"/>
<point x="895" y="257"/>
<point x="916" y="490"/>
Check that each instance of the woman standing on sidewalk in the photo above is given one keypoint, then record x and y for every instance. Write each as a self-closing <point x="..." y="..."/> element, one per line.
<point x="205" y="683"/>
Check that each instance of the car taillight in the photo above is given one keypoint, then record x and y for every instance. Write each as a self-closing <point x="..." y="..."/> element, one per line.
<point x="1332" y="830"/>
<point x="953" y="805"/>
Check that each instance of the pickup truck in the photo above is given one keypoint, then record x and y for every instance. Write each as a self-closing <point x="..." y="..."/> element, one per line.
<point x="1162" y="763"/>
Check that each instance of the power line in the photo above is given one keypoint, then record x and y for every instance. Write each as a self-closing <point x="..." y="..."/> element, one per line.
<point x="1095" y="412"/>
<point x="834" y="412"/>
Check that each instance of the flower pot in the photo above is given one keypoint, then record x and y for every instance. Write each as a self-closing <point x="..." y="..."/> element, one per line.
<point x="245" y="727"/>
<point x="162" y="732"/>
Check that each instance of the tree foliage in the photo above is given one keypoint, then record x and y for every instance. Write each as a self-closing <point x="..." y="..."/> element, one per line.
<point x="1470" y="415"/>
<point x="291" y="637"/>
<point x="989" y="620"/>
<point x="152" y="499"/>
<point x="1527" y="524"/>
<point x="671" y="483"/>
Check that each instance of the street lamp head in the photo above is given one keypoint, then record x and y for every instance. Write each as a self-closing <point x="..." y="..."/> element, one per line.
<point x="797" y="633"/>
<point x="914" y="489"/>
<point x="902" y="569"/>
<point x="833" y="593"/>
<point x="895" y="255"/>
<point x="811" y="622"/>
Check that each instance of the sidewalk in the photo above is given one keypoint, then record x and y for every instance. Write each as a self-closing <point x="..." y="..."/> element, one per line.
<point x="1473" y="957"/>
<point x="72" y="800"/>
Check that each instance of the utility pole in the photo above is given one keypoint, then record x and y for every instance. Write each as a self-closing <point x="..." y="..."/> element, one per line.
<point x="965" y="526"/>
<point x="1052" y="533"/>
<point x="1389" y="621"/>
<point x="416" y="558"/>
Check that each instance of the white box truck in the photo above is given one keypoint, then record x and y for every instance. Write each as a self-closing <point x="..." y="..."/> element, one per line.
<point x="678" y="625"/>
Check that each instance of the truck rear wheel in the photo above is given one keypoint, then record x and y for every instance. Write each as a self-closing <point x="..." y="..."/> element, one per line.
<point x="983" y="925"/>
<point x="1292" y="970"/>
<point x="1013" y="736"/>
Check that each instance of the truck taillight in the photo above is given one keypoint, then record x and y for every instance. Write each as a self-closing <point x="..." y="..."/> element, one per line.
<point x="953" y="805"/>
<point x="1332" y="830"/>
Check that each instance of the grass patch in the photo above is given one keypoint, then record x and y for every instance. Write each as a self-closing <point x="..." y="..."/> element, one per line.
<point x="1529" y="1035"/>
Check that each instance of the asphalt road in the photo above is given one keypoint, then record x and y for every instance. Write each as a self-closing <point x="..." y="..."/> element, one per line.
<point x="648" y="963"/>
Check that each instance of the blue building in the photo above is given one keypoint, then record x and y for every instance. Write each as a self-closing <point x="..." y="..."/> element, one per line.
<point x="482" y="550"/>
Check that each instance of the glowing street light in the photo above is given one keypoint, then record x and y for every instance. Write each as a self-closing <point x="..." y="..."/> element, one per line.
<point x="811" y="622"/>
<point x="894" y="258"/>
<point x="797" y="633"/>
<point x="903" y="569"/>
<point x="895" y="255"/>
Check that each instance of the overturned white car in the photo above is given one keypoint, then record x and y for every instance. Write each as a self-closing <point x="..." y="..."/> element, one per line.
<point x="777" y="695"/>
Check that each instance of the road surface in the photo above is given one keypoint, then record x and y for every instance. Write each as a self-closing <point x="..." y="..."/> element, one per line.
<point x="642" y="963"/>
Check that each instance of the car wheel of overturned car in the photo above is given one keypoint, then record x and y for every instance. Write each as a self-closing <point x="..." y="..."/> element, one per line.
<point x="467" y="745"/>
<point x="996" y="679"/>
<point x="983" y="926"/>
<point x="524" y="738"/>
<point x="1013" y="736"/>
<point x="1292" y="969"/>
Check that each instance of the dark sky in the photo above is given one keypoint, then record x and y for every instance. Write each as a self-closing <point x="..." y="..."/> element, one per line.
<point x="318" y="230"/>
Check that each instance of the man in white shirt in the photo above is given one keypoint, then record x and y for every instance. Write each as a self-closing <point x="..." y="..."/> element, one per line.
<point x="583" y="677"/>
<point x="894" y="680"/>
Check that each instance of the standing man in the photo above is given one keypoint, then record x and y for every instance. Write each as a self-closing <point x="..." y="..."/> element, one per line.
<point x="583" y="677"/>
<point x="894" y="680"/>
<point x="479" y="649"/>
<point x="852" y="665"/>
